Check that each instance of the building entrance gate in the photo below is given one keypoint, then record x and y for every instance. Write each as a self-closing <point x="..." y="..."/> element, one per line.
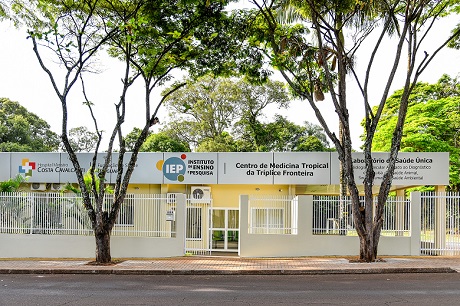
<point x="198" y="238"/>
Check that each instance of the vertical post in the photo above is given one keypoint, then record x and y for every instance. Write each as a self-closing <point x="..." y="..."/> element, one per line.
<point x="415" y="222"/>
<point x="32" y="210"/>
<point x="440" y="220"/>
<point x="244" y="222"/>
<point x="181" y="212"/>
<point x="400" y="214"/>
<point x="305" y="215"/>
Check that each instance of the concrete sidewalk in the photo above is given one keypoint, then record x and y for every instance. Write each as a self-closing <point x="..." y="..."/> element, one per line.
<point x="203" y="265"/>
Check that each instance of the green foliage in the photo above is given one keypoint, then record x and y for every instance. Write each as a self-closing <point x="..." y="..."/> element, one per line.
<point x="131" y="138"/>
<point x="220" y="143"/>
<point x="88" y="183"/>
<point x="189" y="35"/>
<point x="82" y="140"/>
<point x="222" y="115"/>
<point x="13" y="184"/>
<point x="312" y="144"/>
<point x="290" y="47"/>
<point x="206" y="108"/>
<point x="22" y="131"/>
<point x="203" y="109"/>
<point x="283" y="135"/>
<point x="3" y="10"/>
<point x="455" y="43"/>
<point x="432" y="123"/>
<point x="161" y="142"/>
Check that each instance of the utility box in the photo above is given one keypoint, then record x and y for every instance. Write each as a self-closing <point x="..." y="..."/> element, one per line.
<point x="170" y="215"/>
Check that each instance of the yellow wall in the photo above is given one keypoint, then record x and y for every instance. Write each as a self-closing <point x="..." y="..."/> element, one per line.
<point x="228" y="195"/>
<point x="144" y="189"/>
<point x="222" y="195"/>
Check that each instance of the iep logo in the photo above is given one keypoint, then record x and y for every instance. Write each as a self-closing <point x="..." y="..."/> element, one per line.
<point x="173" y="168"/>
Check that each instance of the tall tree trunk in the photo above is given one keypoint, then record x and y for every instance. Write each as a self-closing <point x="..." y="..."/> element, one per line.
<point x="103" y="246"/>
<point x="367" y="248"/>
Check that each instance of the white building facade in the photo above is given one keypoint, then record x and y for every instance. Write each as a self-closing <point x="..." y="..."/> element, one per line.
<point x="253" y="204"/>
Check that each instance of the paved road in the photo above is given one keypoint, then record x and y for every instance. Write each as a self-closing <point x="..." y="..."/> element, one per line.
<point x="352" y="289"/>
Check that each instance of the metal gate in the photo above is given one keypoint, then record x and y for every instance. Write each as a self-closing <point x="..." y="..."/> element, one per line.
<point x="440" y="232"/>
<point x="198" y="238"/>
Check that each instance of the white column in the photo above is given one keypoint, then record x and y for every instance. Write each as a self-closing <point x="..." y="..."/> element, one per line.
<point x="399" y="212"/>
<point x="415" y="222"/>
<point x="181" y="213"/>
<point x="244" y="222"/>
<point x="440" y="220"/>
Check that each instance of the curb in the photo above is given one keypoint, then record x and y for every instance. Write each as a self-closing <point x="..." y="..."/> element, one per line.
<point x="228" y="272"/>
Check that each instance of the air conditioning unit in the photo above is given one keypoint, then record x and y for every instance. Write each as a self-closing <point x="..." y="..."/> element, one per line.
<point x="200" y="194"/>
<point x="38" y="186"/>
<point x="57" y="186"/>
<point x="171" y="197"/>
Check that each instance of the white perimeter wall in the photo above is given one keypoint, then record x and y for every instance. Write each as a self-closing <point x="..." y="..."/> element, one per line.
<point x="72" y="246"/>
<point x="307" y="244"/>
<point x="251" y="245"/>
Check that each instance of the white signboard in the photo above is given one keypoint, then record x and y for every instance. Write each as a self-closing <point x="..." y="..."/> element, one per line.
<point x="5" y="163"/>
<point x="301" y="168"/>
<point x="245" y="168"/>
<point x="422" y="168"/>
<point x="188" y="168"/>
<point x="37" y="167"/>
<point x="297" y="168"/>
<point x="145" y="170"/>
<point x="67" y="175"/>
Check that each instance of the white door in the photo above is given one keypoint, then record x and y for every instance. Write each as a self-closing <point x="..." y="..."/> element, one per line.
<point x="224" y="229"/>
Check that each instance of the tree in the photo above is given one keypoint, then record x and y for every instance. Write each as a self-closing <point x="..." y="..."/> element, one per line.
<point x="23" y="131"/>
<point x="131" y="138"/>
<point x="82" y="140"/>
<point x="455" y="42"/>
<point x="4" y="9"/>
<point x="283" y="135"/>
<point x="256" y="100"/>
<point x="319" y="61"/>
<point x="222" y="115"/>
<point x="205" y="109"/>
<point x="221" y="143"/>
<point x="153" y="38"/>
<point x="161" y="142"/>
<point x="432" y="123"/>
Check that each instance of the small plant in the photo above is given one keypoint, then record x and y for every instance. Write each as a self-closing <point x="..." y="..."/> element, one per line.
<point x="88" y="182"/>
<point x="13" y="184"/>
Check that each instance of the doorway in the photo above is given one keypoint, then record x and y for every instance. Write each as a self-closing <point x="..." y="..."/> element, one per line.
<point x="225" y="229"/>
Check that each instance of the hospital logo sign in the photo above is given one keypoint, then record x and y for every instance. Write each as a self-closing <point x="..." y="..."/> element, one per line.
<point x="26" y="167"/>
